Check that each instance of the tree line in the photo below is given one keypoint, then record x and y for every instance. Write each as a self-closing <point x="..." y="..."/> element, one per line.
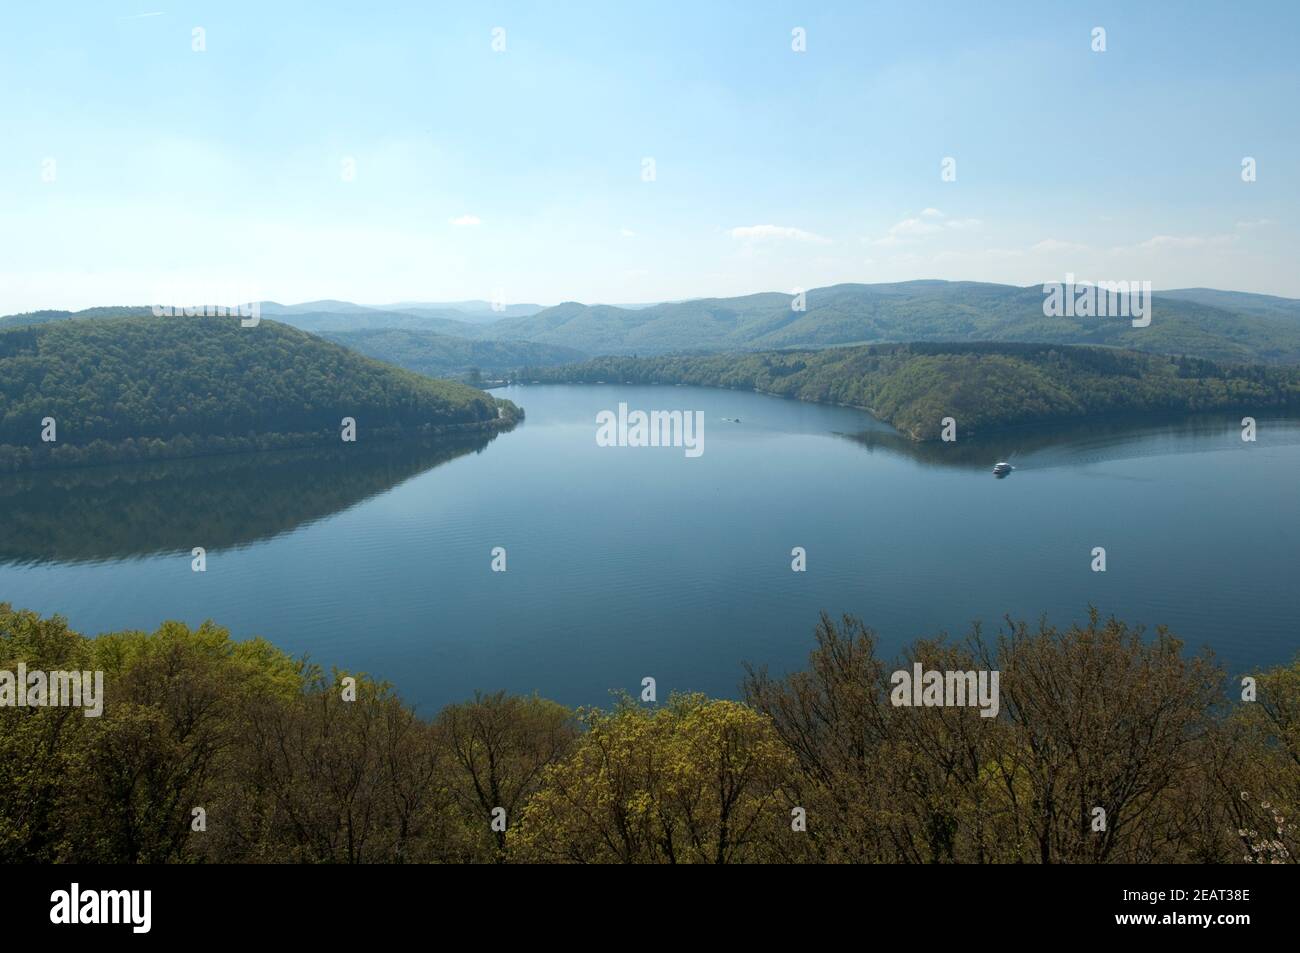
<point x="982" y="386"/>
<point x="216" y="750"/>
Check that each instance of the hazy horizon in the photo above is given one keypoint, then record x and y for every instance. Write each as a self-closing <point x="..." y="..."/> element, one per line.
<point x="451" y="304"/>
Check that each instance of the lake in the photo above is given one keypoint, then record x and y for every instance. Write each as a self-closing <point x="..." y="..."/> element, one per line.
<point x="624" y="562"/>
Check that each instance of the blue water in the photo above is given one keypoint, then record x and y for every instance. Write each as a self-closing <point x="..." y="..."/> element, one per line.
<point x="628" y="562"/>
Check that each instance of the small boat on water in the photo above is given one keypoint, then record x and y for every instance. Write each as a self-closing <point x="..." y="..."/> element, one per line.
<point x="1002" y="468"/>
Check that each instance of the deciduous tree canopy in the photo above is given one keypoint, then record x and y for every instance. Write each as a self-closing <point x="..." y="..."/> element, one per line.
<point x="817" y="765"/>
<point x="127" y="388"/>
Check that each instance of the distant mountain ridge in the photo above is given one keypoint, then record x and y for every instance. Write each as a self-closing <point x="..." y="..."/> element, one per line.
<point x="1202" y="322"/>
<point x="1225" y="326"/>
<point x="1241" y="301"/>
<point x="477" y="310"/>
<point x="443" y="355"/>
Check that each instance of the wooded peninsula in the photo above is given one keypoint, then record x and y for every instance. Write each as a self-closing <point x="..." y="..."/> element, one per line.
<point x="983" y="387"/>
<point x="135" y="388"/>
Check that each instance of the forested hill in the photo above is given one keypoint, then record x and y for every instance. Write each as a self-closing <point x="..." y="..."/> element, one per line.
<point x="983" y="386"/>
<point x="44" y="317"/>
<point x="442" y="355"/>
<point x="141" y="387"/>
<point x="1218" y="326"/>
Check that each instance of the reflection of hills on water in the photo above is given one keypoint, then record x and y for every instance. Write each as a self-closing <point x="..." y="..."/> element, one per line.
<point x="1084" y="442"/>
<point x="218" y="502"/>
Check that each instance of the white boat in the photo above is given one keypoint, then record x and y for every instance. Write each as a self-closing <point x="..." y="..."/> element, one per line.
<point x="1002" y="468"/>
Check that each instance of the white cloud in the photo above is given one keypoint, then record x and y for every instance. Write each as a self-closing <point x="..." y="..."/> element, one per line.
<point x="467" y="220"/>
<point x="930" y="221"/>
<point x="776" y="232"/>
<point x="1186" y="241"/>
<point x="1256" y="223"/>
<point x="1057" y="245"/>
<point x="914" y="227"/>
<point x="909" y="229"/>
<point x="627" y="233"/>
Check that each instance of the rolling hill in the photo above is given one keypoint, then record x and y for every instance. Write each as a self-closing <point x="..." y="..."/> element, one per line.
<point x="314" y="316"/>
<point x="1241" y="302"/>
<point x="475" y="311"/>
<point x="1201" y="322"/>
<point x="144" y="387"/>
<point x="1224" y="326"/>
<point x="45" y="317"/>
<point x="442" y="355"/>
<point x="324" y="321"/>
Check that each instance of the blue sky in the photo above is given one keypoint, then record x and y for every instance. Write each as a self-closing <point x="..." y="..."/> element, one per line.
<point x="520" y="173"/>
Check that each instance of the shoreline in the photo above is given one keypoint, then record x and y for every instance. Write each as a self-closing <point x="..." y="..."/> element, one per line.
<point x="188" y="447"/>
<point x="1284" y="412"/>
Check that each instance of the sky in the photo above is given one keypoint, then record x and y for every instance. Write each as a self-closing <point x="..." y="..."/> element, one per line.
<point x="545" y="152"/>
